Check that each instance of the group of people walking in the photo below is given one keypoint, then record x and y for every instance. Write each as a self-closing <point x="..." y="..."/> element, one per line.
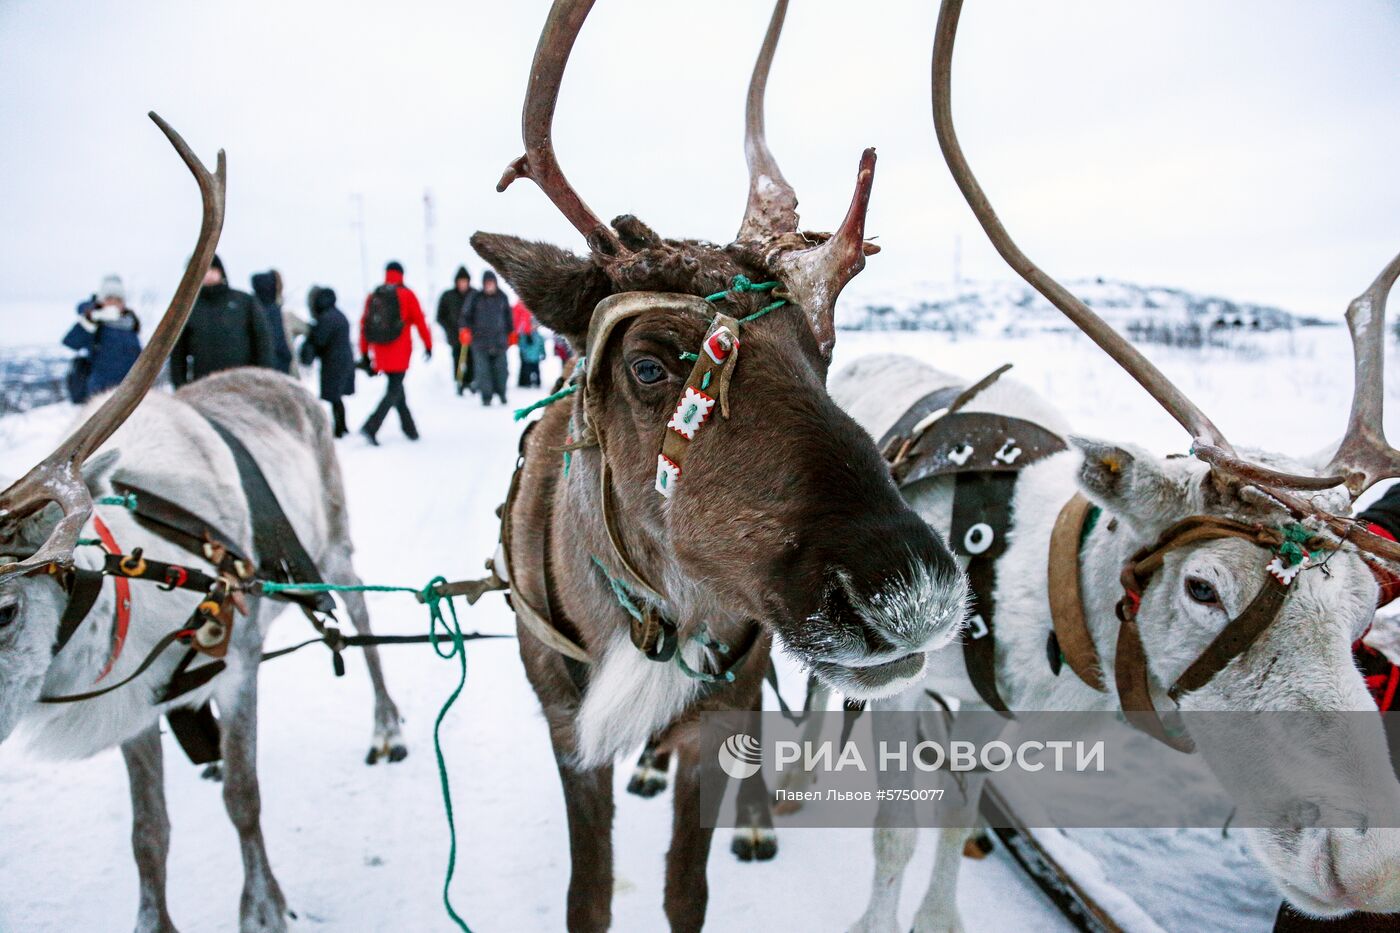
<point x="229" y="328"/>
<point x="480" y="325"/>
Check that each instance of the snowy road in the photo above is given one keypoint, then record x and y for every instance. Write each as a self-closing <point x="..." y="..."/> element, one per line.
<point x="359" y="848"/>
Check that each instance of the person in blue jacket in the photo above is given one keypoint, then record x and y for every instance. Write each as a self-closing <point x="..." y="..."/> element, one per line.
<point x="107" y="338"/>
<point x="329" y="341"/>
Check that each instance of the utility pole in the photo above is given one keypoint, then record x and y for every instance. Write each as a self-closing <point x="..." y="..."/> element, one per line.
<point x="357" y="223"/>
<point x="429" y="222"/>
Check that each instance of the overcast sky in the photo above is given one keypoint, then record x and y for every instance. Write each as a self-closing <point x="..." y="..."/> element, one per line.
<point x="1247" y="148"/>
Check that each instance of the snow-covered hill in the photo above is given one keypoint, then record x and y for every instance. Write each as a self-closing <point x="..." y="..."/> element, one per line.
<point x="1013" y="309"/>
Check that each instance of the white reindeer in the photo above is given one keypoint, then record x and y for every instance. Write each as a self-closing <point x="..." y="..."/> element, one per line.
<point x="168" y="447"/>
<point x="1300" y="661"/>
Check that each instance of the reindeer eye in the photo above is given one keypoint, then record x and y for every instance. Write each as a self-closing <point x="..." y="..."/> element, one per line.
<point x="648" y="371"/>
<point x="1202" y="592"/>
<point x="8" y="613"/>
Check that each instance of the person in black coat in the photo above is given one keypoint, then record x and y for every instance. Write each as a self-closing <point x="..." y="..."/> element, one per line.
<point x="449" y="318"/>
<point x="267" y="289"/>
<point x="329" y="341"/>
<point x="487" y="324"/>
<point x="226" y="329"/>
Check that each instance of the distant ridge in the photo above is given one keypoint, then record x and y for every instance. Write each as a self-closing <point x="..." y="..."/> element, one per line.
<point x="1013" y="309"/>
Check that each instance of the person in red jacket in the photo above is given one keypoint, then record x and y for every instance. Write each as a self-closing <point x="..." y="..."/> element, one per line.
<point x="391" y="315"/>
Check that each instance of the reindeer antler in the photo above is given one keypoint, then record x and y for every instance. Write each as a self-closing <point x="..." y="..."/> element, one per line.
<point x="58" y="478"/>
<point x="1365" y="457"/>
<point x="537" y="122"/>
<point x="1209" y="443"/>
<point x="772" y="207"/>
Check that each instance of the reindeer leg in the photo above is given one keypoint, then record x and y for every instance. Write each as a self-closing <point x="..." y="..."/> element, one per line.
<point x="588" y="802"/>
<point x="939" y="911"/>
<point x="687" y="888"/>
<point x="387" y="741"/>
<point x="150" y="827"/>
<point x="262" y="908"/>
<point x="649" y="779"/>
<point x="895" y="837"/>
<point x="754" y="839"/>
<point x="799" y="779"/>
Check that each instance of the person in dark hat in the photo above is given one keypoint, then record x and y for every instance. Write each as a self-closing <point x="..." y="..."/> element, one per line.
<point x="449" y="318"/>
<point x="329" y="342"/>
<point x="267" y="290"/>
<point x="226" y="329"/>
<point x="487" y="326"/>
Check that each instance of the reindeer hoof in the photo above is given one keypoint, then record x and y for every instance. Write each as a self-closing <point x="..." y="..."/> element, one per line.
<point x="213" y="772"/>
<point x="397" y="753"/>
<point x="755" y="844"/>
<point x="647" y="782"/>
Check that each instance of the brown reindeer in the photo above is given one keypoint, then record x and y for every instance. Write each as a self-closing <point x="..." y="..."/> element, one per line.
<point x="651" y="560"/>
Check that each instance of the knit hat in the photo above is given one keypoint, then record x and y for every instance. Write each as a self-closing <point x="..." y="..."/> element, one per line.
<point x="462" y="273"/>
<point x="488" y="276"/>
<point x="394" y="266"/>
<point x="219" y="264"/>
<point x="112" y="288"/>
<point x="323" y="300"/>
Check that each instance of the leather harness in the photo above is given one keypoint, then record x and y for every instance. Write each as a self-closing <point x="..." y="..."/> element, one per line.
<point x="983" y="452"/>
<point x="654" y="635"/>
<point x="1131" y="676"/>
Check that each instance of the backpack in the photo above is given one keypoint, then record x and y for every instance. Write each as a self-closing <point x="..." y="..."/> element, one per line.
<point x="383" y="320"/>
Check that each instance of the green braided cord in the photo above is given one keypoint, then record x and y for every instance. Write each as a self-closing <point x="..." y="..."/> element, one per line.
<point x="619" y="589"/>
<point x="332" y="588"/>
<point x="690" y="357"/>
<point x="1294" y="549"/>
<point x="127" y="501"/>
<point x="547" y="400"/>
<point x="433" y="598"/>
<point x="741" y="283"/>
<point x="624" y="600"/>
<point x="89" y="542"/>
<point x="762" y="311"/>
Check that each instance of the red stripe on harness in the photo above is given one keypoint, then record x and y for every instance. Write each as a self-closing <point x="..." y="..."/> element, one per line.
<point x="123" y="611"/>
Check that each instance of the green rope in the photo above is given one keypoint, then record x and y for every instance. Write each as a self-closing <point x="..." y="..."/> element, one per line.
<point x="433" y="598"/>
<point x="690" y="357"/>
<point x="624" y="599"/>
<point x="127" y="501"/>
<point x="741" y="284"/>
<point x="762" y="311"/>
<point x="547" y="400"/>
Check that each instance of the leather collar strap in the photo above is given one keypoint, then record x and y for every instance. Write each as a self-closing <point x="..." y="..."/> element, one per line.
<point x="1066" y="601"/>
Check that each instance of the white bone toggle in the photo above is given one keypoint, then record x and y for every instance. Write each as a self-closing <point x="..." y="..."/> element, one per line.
<point x="961" y="454"/>
<point x="1009" y="453"/>
<point x="1285" y="574"/>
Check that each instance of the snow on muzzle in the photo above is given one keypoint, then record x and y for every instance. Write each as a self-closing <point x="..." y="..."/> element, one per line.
<point x="888" y="601"/>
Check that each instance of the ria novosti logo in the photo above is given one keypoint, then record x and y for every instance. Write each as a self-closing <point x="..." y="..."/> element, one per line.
<point x="740" y="756"/>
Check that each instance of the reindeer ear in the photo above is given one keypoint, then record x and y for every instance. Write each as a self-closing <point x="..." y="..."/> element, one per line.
<point x="558" y="286"/>
<point x="1130" y="482"/>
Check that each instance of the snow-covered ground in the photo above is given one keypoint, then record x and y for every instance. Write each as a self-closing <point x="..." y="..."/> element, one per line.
<point x="359" y="848"/>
